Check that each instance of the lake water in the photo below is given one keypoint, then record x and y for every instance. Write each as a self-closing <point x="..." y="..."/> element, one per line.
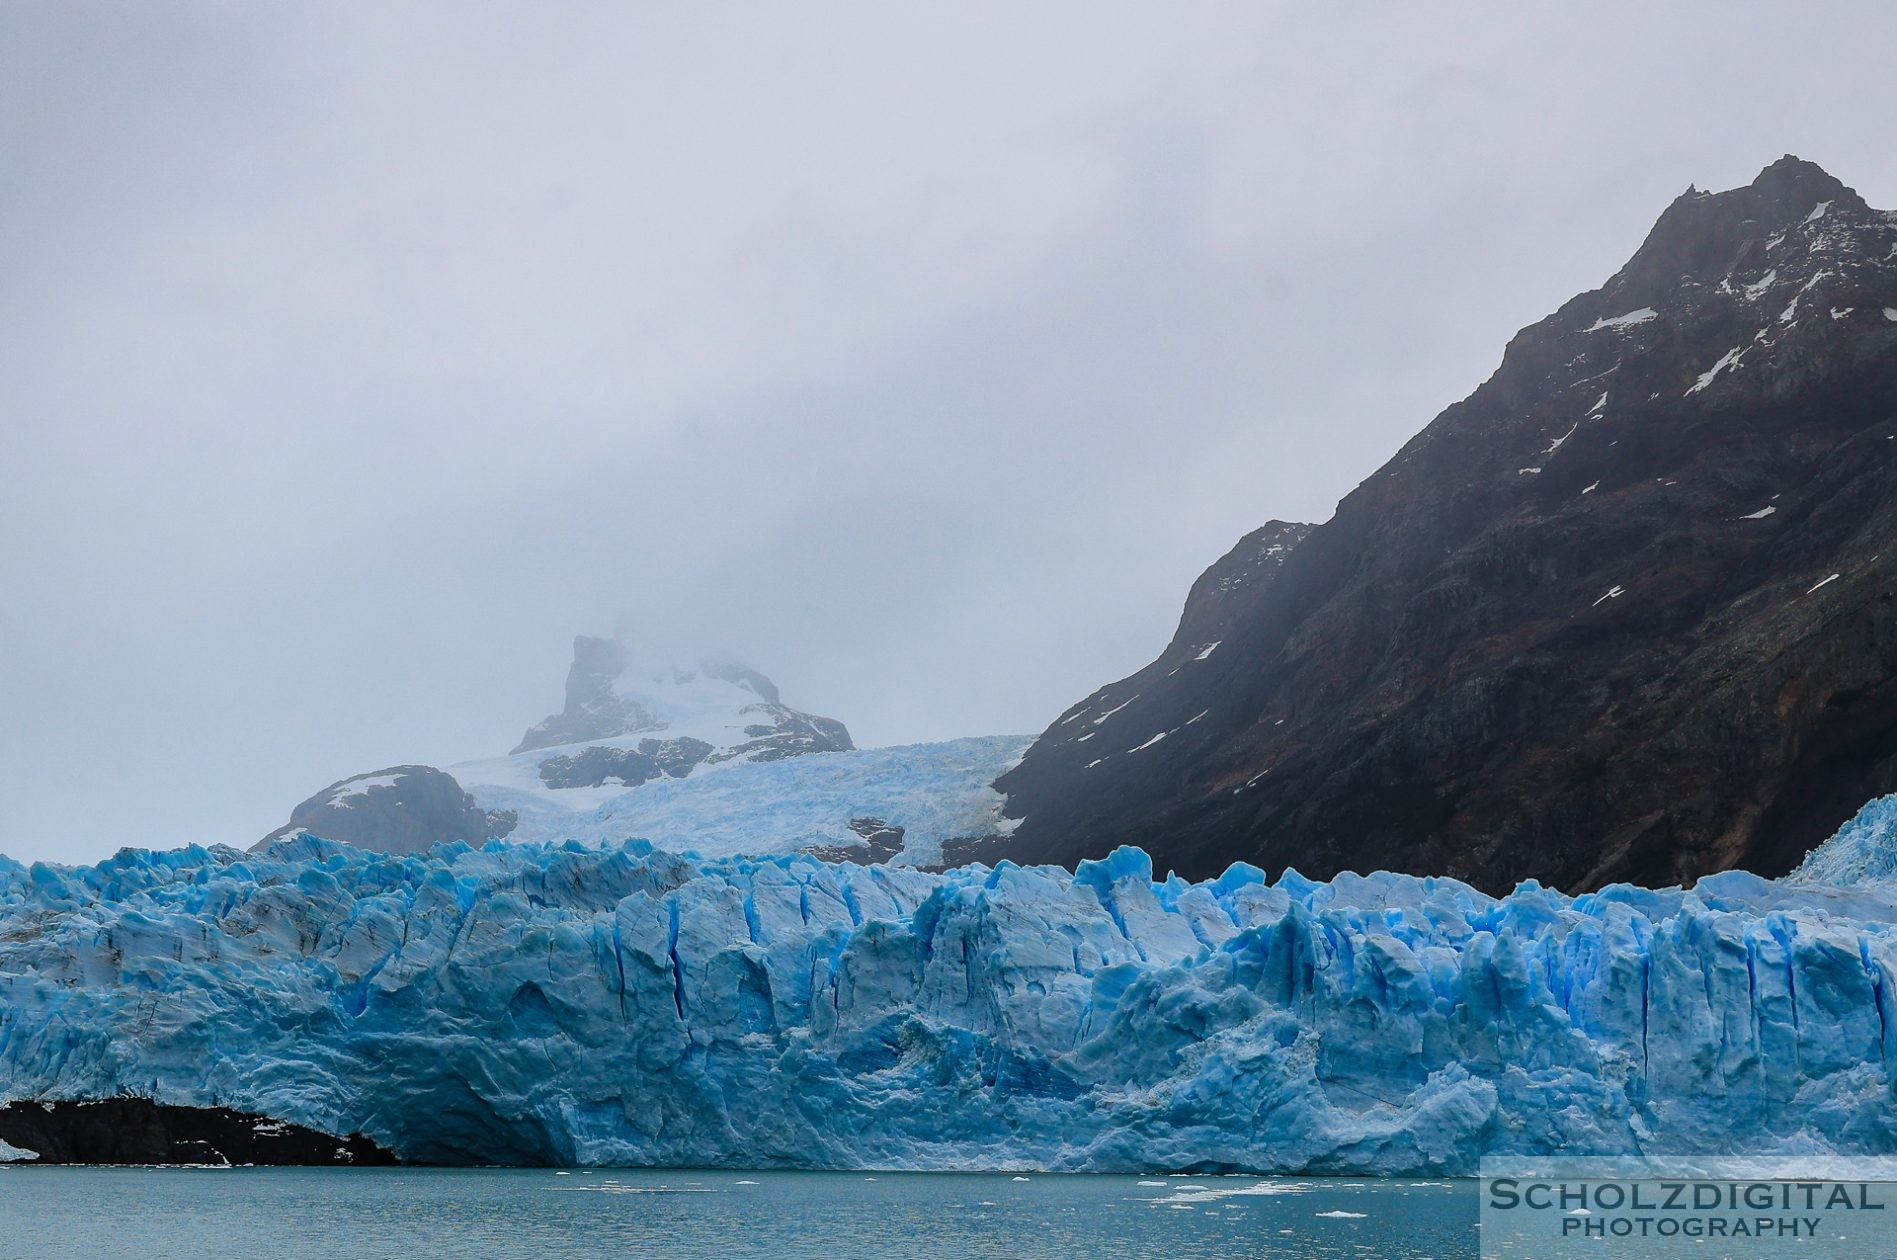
<point x="492" y="1214"/>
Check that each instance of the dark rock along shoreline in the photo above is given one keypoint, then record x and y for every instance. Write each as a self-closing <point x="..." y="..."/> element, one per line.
<point x="139" y="1131"/>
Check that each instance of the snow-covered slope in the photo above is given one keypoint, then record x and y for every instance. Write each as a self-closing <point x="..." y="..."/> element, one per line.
<point x="711" y="711"/>
<point x="621" y="1005"/>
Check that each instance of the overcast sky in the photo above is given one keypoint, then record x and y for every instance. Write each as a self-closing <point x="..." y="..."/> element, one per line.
<point x="355" y="358"/>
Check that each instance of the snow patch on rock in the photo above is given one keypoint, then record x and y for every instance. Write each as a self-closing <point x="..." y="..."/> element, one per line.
<point x="1629" y="320"/>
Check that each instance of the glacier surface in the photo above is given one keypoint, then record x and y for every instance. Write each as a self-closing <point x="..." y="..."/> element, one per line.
<point x="541" y="1003"/>
<point x="1864" y="850"/>
<point x="935" y="792"/>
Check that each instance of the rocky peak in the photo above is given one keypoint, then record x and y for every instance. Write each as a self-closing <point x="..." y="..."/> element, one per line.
<point x="707" y="712"/>
<point x="1777" y="286"/>
<point x="1702" y="236"/>
<point x="611" y="692"/>
<point x="592" y="709"/>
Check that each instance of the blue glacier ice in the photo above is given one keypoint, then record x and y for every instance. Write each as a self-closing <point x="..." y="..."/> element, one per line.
<point x="935" y="792"/>
<point x="560" y="1003"/>
<point x="1864" y="850"/>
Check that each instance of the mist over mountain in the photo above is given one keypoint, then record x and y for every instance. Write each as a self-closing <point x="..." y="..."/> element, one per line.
<point x="693" y="755"/>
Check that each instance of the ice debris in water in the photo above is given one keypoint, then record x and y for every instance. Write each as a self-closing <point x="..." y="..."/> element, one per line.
<point x="572" y="1004"/>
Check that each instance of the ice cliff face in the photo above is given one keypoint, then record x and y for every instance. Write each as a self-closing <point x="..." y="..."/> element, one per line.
<point x="533" y="1003"/>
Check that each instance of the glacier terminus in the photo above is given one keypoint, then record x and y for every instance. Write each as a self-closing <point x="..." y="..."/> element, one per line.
<point x="568" y="1004"/>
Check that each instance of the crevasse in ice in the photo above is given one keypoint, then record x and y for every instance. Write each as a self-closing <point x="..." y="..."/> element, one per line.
<point x="622" y="1005"/>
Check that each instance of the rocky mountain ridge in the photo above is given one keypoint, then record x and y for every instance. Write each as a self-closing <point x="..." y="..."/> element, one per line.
<point x="1626" y="612"/>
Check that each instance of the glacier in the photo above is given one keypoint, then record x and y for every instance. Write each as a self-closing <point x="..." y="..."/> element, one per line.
<point x="1862" y="851"/>
<point x="936" y="792"/>
<point x="624" y="1005"/>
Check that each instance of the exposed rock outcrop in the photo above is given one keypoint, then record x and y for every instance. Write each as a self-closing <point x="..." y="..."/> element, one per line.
<point x="403" y="809"/>
<point x="139" y="1131"/>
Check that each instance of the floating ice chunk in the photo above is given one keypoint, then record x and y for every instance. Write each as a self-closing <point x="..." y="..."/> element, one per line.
<point x="1222" y="1194"/>
<point x="1341" y="1215"/>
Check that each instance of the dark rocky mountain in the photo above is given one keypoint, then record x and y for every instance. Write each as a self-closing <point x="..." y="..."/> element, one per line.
<point x="1629" y="611"/>
<point x="403" y="809"/>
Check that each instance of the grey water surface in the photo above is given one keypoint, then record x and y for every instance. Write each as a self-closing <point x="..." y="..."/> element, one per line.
<point x="497" y="1214"/>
